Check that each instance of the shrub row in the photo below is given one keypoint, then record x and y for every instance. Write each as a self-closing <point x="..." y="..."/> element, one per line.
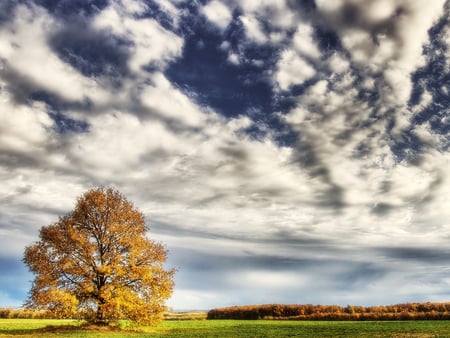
<point x="23" y="313"/>
<point x="409" y="311"/>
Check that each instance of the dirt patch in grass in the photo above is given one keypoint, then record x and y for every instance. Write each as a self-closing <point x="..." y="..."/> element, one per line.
<point x="57" y="328"/>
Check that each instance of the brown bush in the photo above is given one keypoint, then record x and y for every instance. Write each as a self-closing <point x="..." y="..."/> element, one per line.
<point x="408" y="311"/>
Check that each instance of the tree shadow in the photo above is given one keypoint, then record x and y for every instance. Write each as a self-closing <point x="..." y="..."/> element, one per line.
<point x="41" y="330"/>
<point x="60" y="329"/>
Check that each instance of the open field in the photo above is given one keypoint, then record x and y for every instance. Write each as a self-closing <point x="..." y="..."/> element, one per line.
<point x="232" y="328"/>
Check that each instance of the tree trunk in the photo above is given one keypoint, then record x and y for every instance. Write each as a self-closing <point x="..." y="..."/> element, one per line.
<point x="100" y="316"/>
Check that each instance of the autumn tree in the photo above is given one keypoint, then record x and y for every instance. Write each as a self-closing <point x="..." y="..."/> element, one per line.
<point x="97" y="263"/>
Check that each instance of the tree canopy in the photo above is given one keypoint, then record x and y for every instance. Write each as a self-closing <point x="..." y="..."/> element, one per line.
<point x="97" y="263"/>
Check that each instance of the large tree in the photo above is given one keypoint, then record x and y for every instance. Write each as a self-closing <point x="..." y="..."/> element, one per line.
<point x="97" y="263"/>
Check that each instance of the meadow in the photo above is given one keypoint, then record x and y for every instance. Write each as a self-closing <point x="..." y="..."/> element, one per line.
<point x="230" y="328"/>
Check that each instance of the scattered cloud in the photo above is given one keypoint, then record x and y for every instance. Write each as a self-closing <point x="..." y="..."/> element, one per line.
<point x="27" y="59"/>
<point x="253" y="29"/>
<point x="303" y="42"/>
<point x="151" y="44"/>
<point x="292" y="70"/>
<point x="218" y="13"/>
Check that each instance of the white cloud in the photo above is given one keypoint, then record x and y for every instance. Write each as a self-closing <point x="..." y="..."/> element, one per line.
<point x="278" y="13"/>
<point x="295" y="65"/>
<point x="96" y="154"/>
<point x="189" y="299"/>
<point x="360" y="45"/>
<point x="329" y="6"/>
<point x="255" y="5"/>
<point x="413" y="31"/>
<point x="277" y="37"/>
<point x="399" y="86"/>
<point x="151" y="43"/>
<point x="253" y="29"/>
<point x="304" y="43"/>
<point x="217" y="13"/>
<point x="25" y="53"/>
<point x="169" y="5"/>
<point x="132" y="7"/>
<point x="170" y="103"/>
<point x="272" y="280"/>
<point x="225" y="46"/>
<point x="24" y="129"/>
<point x="338" y="64"/>
<point x="319" y="89"/>
<point x="233" y="58"/>
<point x="292" y="70"/>
<point x="380" y="10"/>
<point x="272" y="22"/>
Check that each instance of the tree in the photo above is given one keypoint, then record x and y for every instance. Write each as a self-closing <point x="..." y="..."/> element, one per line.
<point x="97" y="263"/>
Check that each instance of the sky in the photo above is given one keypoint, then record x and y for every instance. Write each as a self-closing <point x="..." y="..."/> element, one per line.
<point x="284" y="151"/>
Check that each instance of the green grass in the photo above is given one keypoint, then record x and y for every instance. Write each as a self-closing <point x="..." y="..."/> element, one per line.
<point x="265" y="328"/>
<point x="231" y="328"/>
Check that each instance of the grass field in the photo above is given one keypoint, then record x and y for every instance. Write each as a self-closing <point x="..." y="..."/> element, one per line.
<point x="231" y="328"/>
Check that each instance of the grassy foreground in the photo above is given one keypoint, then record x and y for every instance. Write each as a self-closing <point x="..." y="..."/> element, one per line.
<point x="231" y="328"/>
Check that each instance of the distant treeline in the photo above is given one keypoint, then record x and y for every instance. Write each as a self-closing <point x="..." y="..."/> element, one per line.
<point x="409" y="311"/>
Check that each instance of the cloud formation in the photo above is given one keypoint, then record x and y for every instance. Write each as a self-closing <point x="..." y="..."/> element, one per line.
<point x="218" y="13"/>
<point x="284" y="151"/>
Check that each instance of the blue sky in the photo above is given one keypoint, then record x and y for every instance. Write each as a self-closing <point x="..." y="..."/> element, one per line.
<point x="284" y="151"/>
